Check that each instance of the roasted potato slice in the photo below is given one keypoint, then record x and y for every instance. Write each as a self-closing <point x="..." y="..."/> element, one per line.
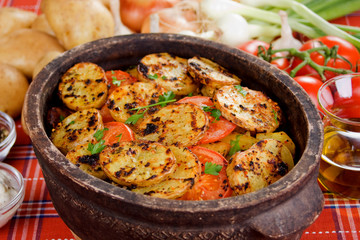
<point x="177" y="123"/>
<point x="76" y="129"/>
<point x="134" y="95"/>
<point x="83" y="86"/>
<point x="211" y="74"/>
<point x="259" y="166"/>
<point x="168" y="71"/>
<point x="243" y="141"/>
<point x="185" y="176"/>
<point x="280" y="136"/>
<point x="249" y="109"/>
<point x="89" y="163"/>
<point x="137" y="163"/>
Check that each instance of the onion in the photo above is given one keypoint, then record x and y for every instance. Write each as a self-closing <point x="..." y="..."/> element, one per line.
<point x="182" y="17"/>
<point x="134" y="12"/>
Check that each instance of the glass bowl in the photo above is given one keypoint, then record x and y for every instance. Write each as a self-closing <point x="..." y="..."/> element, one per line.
<point x="6" y="122"/>
<point x="16" y="180"/>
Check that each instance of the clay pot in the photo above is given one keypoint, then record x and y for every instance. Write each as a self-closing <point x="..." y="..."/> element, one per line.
<point x="95" y="209"/>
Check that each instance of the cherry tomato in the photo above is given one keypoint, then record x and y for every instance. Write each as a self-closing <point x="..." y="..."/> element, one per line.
<point x="346" y="50"/>
<point x="218" y="129"/>
<point x="118" y="78"/>
<point x="116" y="132"/>
<point x="21" y="137"/>
<point x="346" y="103"/>
<point x="252" y="48"/>
<point x="209" y="186"/>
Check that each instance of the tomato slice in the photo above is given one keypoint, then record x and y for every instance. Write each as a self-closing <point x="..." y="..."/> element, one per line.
<point x="116" y="78"/>
<point x="117" y="132"/>
<point x="218" y="128"/>
<point x="209" y="186"/>
<point x="200" y="101"/>
<point x="105" y="114"/>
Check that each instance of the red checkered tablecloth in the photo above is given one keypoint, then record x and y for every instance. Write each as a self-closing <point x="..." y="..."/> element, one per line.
<point x="37" y="219"/>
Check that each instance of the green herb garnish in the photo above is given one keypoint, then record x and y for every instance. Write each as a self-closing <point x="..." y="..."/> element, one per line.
<point x="212" y="168"/>
<point x="100" y="134"/>
<point x="61" y="118"/>
<point x="163" y="100"/>
<point x="72" y="122"/>
<point x="119" y="136"/>
<point x="241" y="90"/>
<point x="96" y="148"/>
<point x="275" y="116"/>
<point x="216" y="113"/>
<point x="153" y="77"/>
<point x="235" y="146"/>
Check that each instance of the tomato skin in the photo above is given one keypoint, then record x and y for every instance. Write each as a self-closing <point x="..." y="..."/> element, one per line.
<point x="21" y="137"/>
<point x="218" y="129"/>
<point x="311" y="85"/>
<point x="348" y="107"/>
<point x="111" y="135"/>
<point x="124" y="77"/>
<point x="346" y="50"/>
<point x="105" y="114"/>
<point x="209" y="187"/>
<point x="252" y="48"/>
<point x="200" y="101"/>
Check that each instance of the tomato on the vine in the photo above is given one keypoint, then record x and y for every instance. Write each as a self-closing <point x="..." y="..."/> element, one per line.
<point x="311" y="85"/>
<point x="345" y="50"/>
<point x="252" y="48"/>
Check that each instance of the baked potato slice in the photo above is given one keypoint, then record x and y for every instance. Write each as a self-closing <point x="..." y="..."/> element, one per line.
<point x="168" y="71"/>
<point x="259" y="166"/>
<point x="280" y="136"/>
<point x="87" y="162"/>
<point x="211" y="74"/>
<point x="137" y="163"/>
<point x="76" y="129"/>
<point x="177" y="123"/>
<point x="185" y="176"/>
<point x="138" y="94"/>
<point x="249" y="109"/>
<point x="239" y="141"/>
<point x="83" y="86"/>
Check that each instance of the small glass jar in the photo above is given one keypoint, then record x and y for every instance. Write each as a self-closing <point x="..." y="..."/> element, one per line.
<point x="16" y="181"/>
<point x="339" y="99"/>
<point x="8" y="124"/>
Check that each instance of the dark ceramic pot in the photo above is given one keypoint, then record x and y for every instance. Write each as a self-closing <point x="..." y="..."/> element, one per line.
<point x="94" y="209"/>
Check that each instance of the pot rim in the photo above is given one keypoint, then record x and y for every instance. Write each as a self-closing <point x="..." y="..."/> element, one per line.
<point x="300" y="174"/>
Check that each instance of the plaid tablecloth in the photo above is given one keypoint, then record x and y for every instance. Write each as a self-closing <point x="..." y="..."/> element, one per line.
<point x="37" y="218"/>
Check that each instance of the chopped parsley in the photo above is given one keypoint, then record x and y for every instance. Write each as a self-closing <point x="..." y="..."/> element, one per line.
<point x="275" y="116"/>
<point x="216" y="113"/>
<point x="241" y="90"/>
<point x="235" y="146"/>
<point x="153" y="77"/>
<point x="163" y="100"/>
<point x="212" y="168"/>
<point x="96" y="148"/>
<point x="100" y="134"/>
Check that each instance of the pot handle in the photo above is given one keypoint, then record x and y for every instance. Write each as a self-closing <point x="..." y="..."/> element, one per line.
<point x="291" y="217"/>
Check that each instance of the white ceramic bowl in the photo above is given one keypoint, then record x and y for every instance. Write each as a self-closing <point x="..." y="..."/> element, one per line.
<point x="5" y="146"/>
<point x="8" y="210"/>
